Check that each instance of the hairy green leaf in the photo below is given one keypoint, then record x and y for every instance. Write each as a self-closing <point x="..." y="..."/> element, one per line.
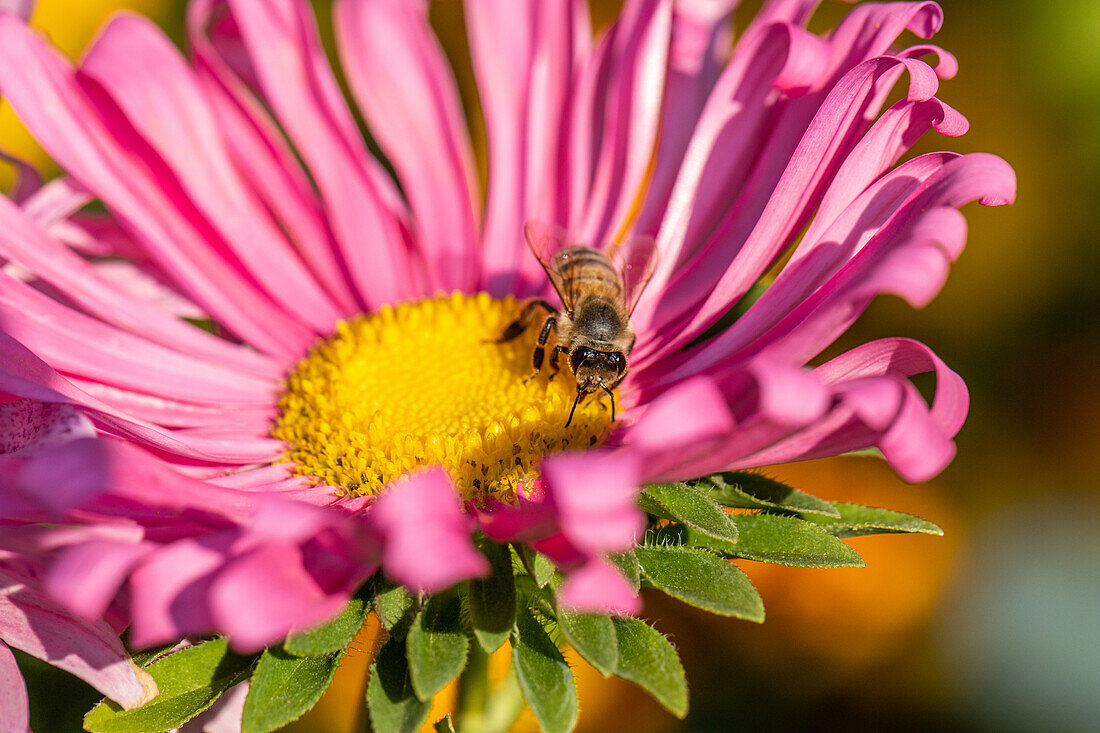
<point x="649" y="660"/>
<point x="627" y="563"/>
<point x="689" y="506"/>
<point x="391" y="703"/>
<point x="746" y="490"/>
<point x="189" y="681"/>
<point x="437" y="645"/>
<point x="699" y="578"/>
<point x="331" y="637"/>
<point x="857" y="520"/>
<point x="285" y="686"/>
<point x="593" y="636"/>
<point x="493" y="600"/>
<point x="394" y="606"/>
<point x="544" y="678"/>
<point x="790" y="541"/>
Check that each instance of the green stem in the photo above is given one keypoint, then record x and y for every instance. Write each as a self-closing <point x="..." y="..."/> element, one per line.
<point x="473" y="691"/>
<point x="481" y="708"/>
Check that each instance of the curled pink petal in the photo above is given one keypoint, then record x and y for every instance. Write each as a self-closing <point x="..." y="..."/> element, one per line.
<point x="597" y="587"/>
<point x="426" y="542"/>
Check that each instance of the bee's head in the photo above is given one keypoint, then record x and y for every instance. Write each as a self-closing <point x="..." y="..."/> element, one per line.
<point x="597" y="369"/>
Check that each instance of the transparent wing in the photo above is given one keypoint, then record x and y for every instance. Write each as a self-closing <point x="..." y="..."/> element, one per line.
<point x="546" y="241"/>
<point x="636" y="259"/>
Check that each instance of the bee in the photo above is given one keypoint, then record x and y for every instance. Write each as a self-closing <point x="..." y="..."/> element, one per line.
<point x="598" y="291"/>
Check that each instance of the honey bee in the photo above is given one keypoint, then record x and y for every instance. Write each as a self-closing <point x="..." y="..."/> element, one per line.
<point x="598" y="291"/>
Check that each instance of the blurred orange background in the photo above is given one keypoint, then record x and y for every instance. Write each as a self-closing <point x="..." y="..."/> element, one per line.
<point x="993" y="625"/>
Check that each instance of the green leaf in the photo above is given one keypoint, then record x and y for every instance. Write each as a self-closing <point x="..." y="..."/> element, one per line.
<point x="790" y="541"/>
<point x="493" y="600"/>
<point x="627" y="563"/>
<point x="857" y="520"/>
<point x="445" y="725"/>
<point x="700" y="579"/>
<point x="437" y="645"/>
<point x="593" y="636"/>
<point x="391" y="703"/>
<point x="649" y="660"/>
<point x="331" y="637"/>
<point x="189" y="681"/>
<point x="284" y="687"/>
<point x="753" y="491"/>
<point x="684" y="504"/>
<point x="394" y="606"/>
<point x="544" y="677"/>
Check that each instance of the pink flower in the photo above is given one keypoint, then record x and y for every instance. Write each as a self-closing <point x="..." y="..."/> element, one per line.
<point x="239" y="192"/>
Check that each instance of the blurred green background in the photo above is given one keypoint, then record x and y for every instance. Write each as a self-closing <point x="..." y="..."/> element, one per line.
<point x="993" y="626"/>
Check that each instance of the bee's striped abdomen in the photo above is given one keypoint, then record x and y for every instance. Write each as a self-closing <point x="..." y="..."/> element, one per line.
<point x="587" y="270"/>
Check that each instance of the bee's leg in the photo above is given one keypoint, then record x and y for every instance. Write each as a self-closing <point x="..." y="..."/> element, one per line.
<point x="554" y="360"/>
<point x="540" y="348"/>
<point x="612" y="396"/>
<point x="526" y="315"/>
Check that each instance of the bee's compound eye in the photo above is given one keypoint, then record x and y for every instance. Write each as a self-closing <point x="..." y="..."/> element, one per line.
<point x="580" y="355"/>
<point x="617" y="361"/>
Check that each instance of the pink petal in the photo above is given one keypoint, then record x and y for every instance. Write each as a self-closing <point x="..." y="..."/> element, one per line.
<point x="362" y="206"/>
<point x="25" y="375"/>
<point x="678" y="424"/>
<point x="597" y="587"/>
<point x="631" y="114"/>
<point x="33" y="623"/>
<point x="425" y="534"/>
<point x="87" y="287"/>
<point x="87" y="576"/>
<point x="14" y="710"/>
<point x="84" y="346"/>
<point x="594" y="496"/>
<point x="259" y="149"/>
<point x="170" y="590"/>
<point x="77" y="125"/>
<point x="401" y="80"/>
<point x="265" y="593"/>
<point x="524" y="53"/>
<point x="164" y="101"/>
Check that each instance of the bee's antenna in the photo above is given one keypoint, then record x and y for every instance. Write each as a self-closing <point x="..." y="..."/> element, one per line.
<point x="612" y="395"/>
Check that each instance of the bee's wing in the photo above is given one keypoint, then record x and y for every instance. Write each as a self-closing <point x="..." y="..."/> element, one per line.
<point x="546" y="241"/>
<point x="635" y="258"/>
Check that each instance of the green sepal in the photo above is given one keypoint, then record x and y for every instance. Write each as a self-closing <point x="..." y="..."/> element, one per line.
<point x="189" y="680"/>
<point x="391" y="703"/>
<point x="544" y="678"/>
<point x="395" y="607"/>
<point x="691" y="507"/>
<point x="593" y="636"/>
<point x="857" y="520"/>
<point x="437" y="645"/>
<point x="701" y="579"/>
<point x="493" y="600"/>
<point x="649" y="660"/>
<point x="284" y="687"/>
<point x="744" y="490"/>
<point x="537" y="565"/>
<point x="333" y="636"/>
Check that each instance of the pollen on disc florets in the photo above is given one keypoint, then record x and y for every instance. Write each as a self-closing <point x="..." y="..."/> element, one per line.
<point x="424" y="383"/>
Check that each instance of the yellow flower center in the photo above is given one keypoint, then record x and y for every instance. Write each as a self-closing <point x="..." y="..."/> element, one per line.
<point x="424" y="383"/>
